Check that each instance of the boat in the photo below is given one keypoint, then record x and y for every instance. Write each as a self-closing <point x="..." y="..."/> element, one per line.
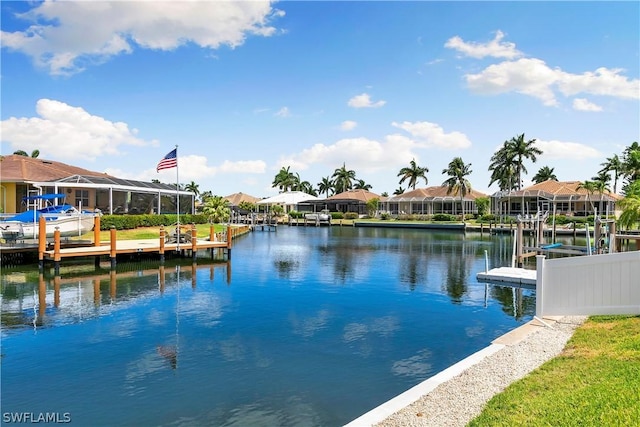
<point x="64" y="217"/>
<point x="322" y="216"/>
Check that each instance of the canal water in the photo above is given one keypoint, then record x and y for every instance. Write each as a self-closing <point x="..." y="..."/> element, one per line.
<point x="305" y="326"/>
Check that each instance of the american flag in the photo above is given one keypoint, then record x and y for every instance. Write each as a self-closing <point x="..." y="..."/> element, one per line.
<point x="169" y="161"/>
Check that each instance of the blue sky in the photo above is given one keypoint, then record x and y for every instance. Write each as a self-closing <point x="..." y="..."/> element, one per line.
<point x="245" y="88"/>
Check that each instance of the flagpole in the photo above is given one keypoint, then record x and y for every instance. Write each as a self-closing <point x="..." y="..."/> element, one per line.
<point x="177" y="197"/>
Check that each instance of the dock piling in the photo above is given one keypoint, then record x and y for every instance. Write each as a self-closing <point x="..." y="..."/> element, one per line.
<point x="112" y="252"/>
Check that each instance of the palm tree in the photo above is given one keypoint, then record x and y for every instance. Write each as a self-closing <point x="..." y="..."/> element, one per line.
<point x="630" y="206"/>
<point x="325" y="186"/>
<point x="631" y="164"/>
<point x="34" y="153"/>
<point x="413" y="173"/>
<point x="193" y="187"/>
<point x="503" y="170"/>
<point x="398" y="191"/>
<point x="545" y="174"/>
<point x="522" y="150"/>
<point x="217" y="209"/>
<point x="615" y="165"/>
<point x="591" y="188"/>
<point x="343" y="179"/>
<point x="284" y="179"/>
<point x="361" y="185"/>
<point x="457" y="182"/>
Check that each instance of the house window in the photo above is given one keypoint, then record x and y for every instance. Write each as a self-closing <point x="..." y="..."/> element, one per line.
<point x="82" y="198"/>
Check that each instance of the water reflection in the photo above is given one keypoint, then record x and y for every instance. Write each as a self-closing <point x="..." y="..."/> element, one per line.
<point x="319" y="326"/>
<point x="60" y="300"/>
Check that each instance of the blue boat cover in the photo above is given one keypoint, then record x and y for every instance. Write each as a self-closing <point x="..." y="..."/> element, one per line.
<point x="28" y="216"/>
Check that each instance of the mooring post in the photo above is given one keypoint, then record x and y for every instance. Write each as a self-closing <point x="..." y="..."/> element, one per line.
<point x="161" y="250"/>
<point x="212" y="233"/>
<point x="229" y="239"/>
<point x="519" y="236"/>
<point x="96" y="230"/>
<point x="56" y="251"/>
<point x="194" y="242"/>
<point x="42" y="241"/>
<point x="112" y="251"/>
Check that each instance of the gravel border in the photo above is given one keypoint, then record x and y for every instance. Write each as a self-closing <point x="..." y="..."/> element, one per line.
<point x="458" y="400"/>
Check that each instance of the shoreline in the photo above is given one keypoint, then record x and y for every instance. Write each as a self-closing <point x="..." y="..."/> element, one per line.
<point x="456" y="395"/>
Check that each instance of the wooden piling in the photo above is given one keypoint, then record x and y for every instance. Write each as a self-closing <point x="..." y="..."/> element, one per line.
<point x="161" y="250"/>
<point x="519" y="236"/>
<point x="194" y="242"/>
<point x="42" y="241"/>
<point x="112" y="252"/>
<point x="56" y="251"/>
<point x="96" y="230"/>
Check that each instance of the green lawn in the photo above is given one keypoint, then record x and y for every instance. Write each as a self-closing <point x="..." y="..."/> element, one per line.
<point x="595" y="381"/>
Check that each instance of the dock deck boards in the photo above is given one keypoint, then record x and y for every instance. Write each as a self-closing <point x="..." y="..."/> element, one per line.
<point x="131" y="246"/>
<point x="519" y="276"/>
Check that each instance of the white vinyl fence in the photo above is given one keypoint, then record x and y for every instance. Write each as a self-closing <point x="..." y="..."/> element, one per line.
<point x="588" y="285"/>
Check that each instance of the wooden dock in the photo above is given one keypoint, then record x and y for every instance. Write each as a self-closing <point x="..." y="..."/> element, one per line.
<point x="511" y="275"/>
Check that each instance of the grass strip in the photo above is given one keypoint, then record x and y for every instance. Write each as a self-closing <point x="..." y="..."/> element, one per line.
<point x="595" y="381"/>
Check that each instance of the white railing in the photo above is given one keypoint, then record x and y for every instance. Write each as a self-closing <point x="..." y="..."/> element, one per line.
<point x="588" y="285"/>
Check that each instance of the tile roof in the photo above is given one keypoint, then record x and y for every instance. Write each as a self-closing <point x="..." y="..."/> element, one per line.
<point x="552" y="188"/>
<point x="433" y="192"/>
<point x="236" y="198"/>
<point x="359" y="195"/>
<point x="15" y="168"/>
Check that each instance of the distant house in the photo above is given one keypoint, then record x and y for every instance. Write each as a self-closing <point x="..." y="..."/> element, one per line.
<point x="22" y="176"/>
<point x="347" y="201"/>
<point x="289" y="200"/>
<point x="561" y="197"/>
<point x="432" y="200"/>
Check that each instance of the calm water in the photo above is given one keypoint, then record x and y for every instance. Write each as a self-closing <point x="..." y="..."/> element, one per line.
<point x="305" y="326"/>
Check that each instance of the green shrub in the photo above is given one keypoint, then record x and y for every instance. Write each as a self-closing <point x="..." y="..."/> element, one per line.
<point x="351" y="215"/>
<point x="443" y="217"/>
<point x="337" y="215"/>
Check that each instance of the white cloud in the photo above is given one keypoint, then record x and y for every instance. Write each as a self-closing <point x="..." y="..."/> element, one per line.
<point x="432" y="135"/>
<point x="527" y="76"/>
<point x="243" y="166"/>
<point x="95" y="31"/>
<point x="361" y="154"/>
<point x="555" y="150"/>
<point x="283" y="112"/>
<point x="495" y="48"/>
<point x="364" y="101"/>
<point x="348" y="125"/>
<point x="66" y="132"/>
<point x="602" y="81"/>
<point x="582" y="104"/>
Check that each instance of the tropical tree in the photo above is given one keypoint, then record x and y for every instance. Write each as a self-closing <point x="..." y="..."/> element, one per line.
<point x="544" y="174"/>
<point x="457" y="182"/>
<point x="631" y="164"/>
<point x="325" y="186"/>
<point x="398" y="191"/>
<point x="503" y="170"/>
<point x="384" y="194"/>
<point x="217" y="209"/>
<point x="613" y="164"/>
<point x="34" y="153"/>
<point x="630" y="206"/>
<point x="205" y="195"/>
<point x="522" y="150"/>
<point x="193" y="187"/>
<point x="247" y="206"/>
<point x="413" y="173"/>
<point x="591" y="188"/>
<point x="361" y="185"/>
<point x="372" y="206"/>
<point x="343" y="179"/>
<point x="284" y="179"/>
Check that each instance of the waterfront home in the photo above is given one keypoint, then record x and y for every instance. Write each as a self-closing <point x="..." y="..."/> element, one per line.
<point x="559" y="197"/>
<point x="22" y="176"/>
<point x="430" y="201"/>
